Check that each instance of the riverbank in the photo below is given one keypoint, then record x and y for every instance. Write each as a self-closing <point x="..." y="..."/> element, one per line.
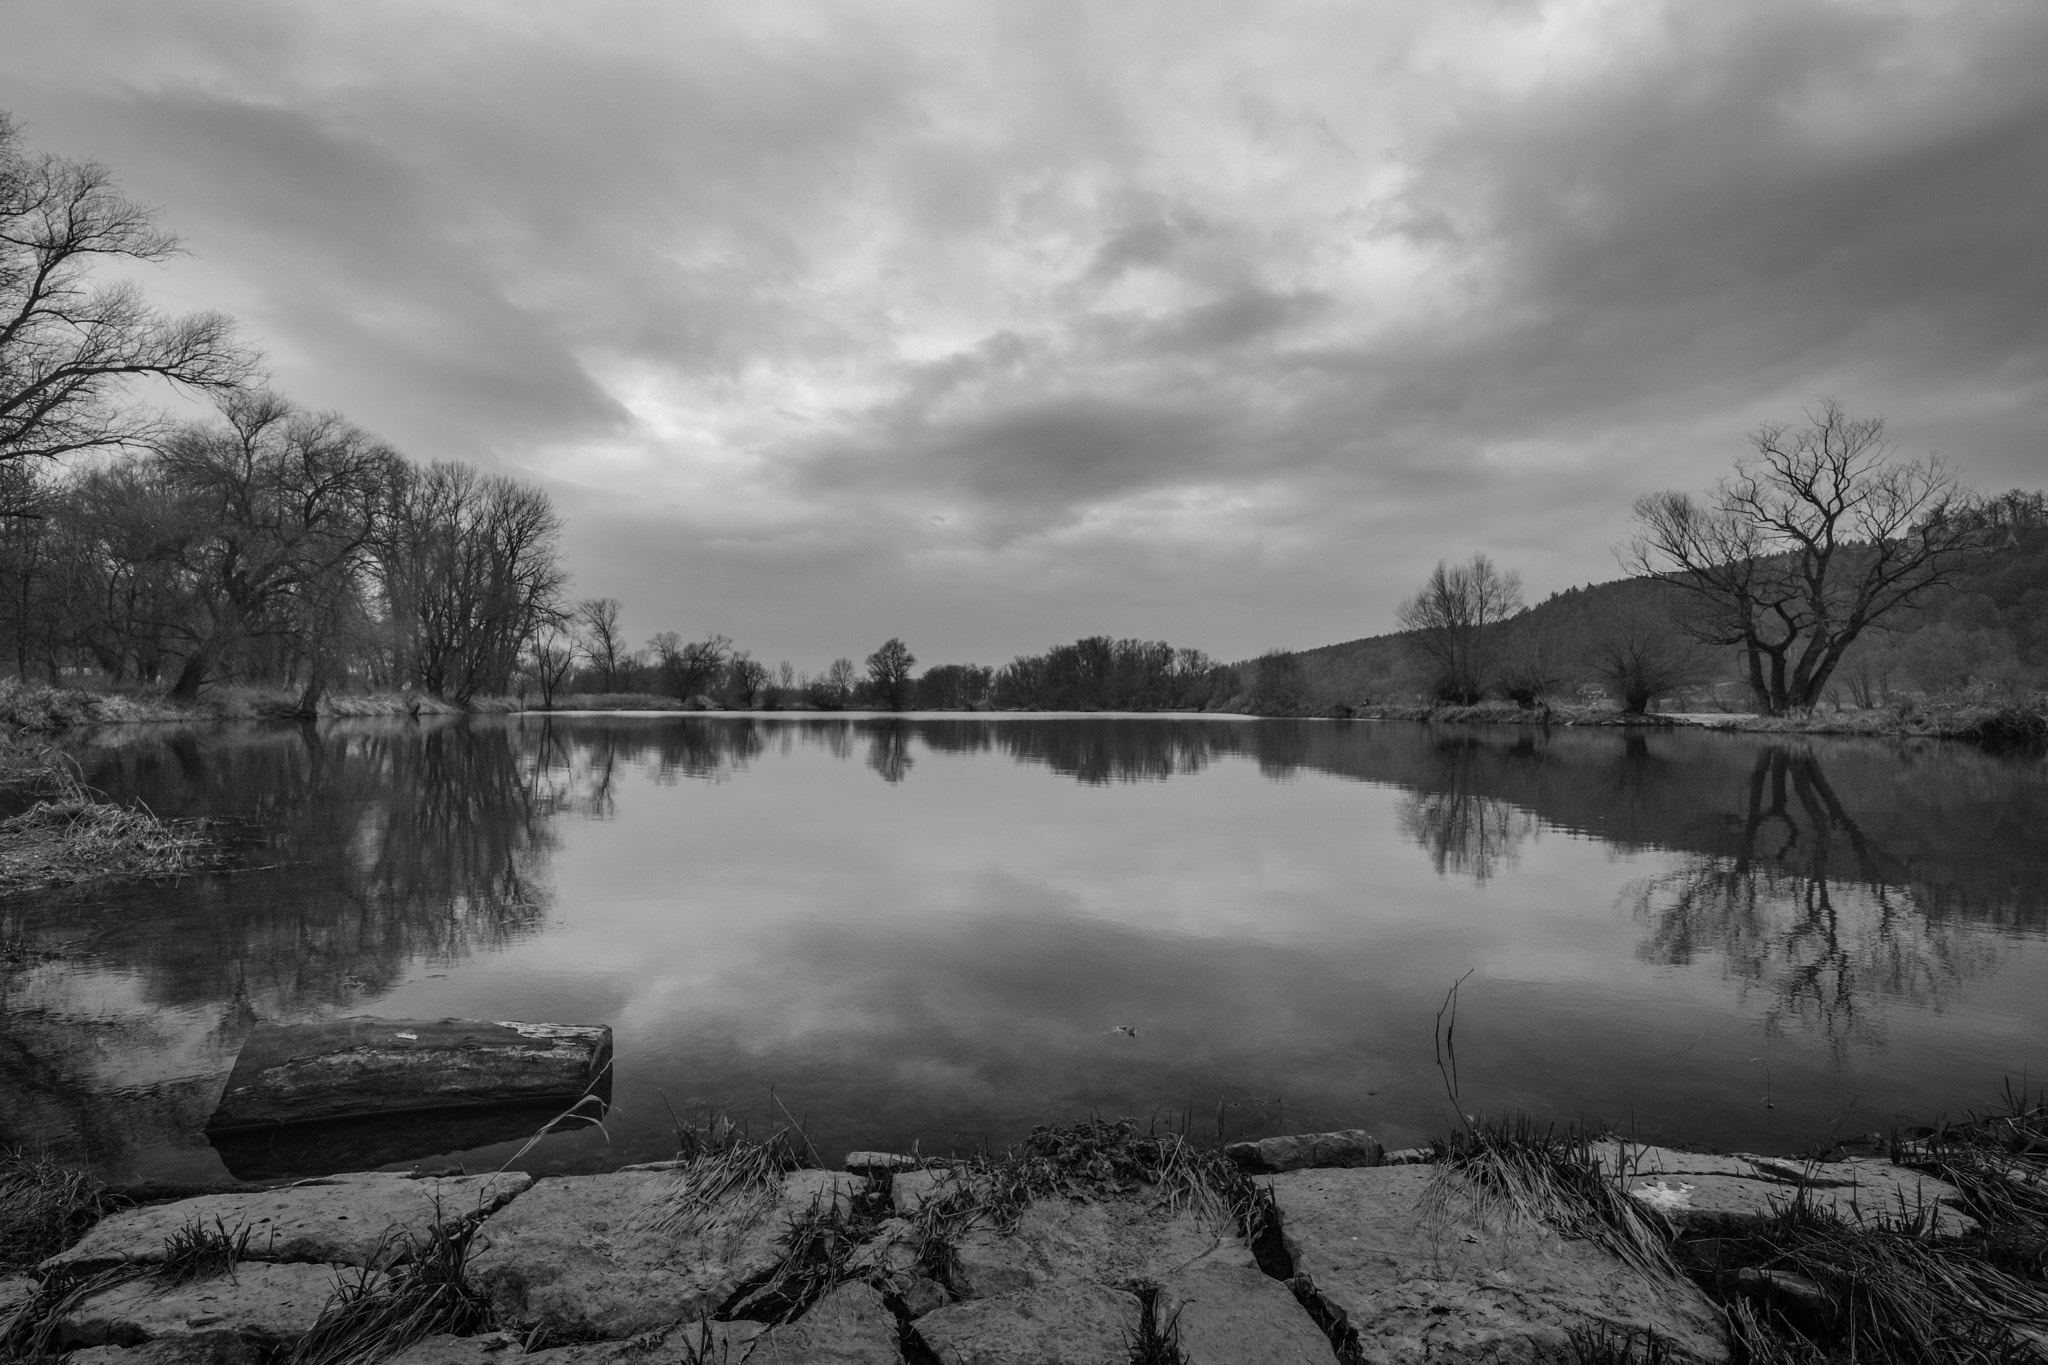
<point x="38" y="708"/>
<point x="66" y="833"/>
<point x="42" y="709"/>
<point x="1098" y="1242"/>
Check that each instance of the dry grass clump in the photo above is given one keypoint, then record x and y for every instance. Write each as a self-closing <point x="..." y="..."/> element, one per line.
<point x="73" y="835"/>
<point x="428" y="1293"/>
<point x="198" y="1252"/>
<point x="1806" y="1287"/>
<point x="1998" y="1159"/>
<point x="1549" y="1176"/>
<point x="44" y="1207"/>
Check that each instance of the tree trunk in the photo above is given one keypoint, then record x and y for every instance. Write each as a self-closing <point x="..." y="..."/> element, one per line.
<point x="191" y="676"/>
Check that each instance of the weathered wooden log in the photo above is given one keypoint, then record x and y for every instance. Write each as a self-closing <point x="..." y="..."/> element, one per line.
<point x="356" y="1068"/>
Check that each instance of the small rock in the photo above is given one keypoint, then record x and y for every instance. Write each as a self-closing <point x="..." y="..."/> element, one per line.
<point x="361" y="1219"/>
<point x="849" y="1326"/>
<point x="920" y="1294"/>
<point x="867" y="1163"/>
<point x="1231" y="1315"/>
<point x="191" y="1348"/>
<point x="910" y="1191"/>
<point x="1422" y="1268"/>
<point x="271" y="1304"/>
<point x="1073" y="1324"/>
<point x="1303" y="1151"/>
<point x="1409" y="1156"/>
<point x="1111" y="1242"/>
<point x="610" y="1256"/>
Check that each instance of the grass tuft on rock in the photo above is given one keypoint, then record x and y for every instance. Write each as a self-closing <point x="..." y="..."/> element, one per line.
<point x="1548" y="1176"/>
<point x="198" y="1252"/>
<point x="371" y="1320"/>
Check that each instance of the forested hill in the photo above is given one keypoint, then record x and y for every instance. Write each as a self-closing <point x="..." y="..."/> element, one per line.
<point x="1989" y="626"/>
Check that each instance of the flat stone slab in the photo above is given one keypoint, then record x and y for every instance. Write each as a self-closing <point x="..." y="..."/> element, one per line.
<point x="271" y="1304"/>
<point x="682" y="1343"/>
<point x="1424" y="1272"/>
<point x="1706" y="1192"/>
<point x="1234" y="1315"/>
<point x="1115" y="1241"/>
<point x="1072" y="1324"/>
<point x="1302" y="1151"/>
<point x="195" y="1348"/>
<point x="611" y="1256"/>
<point x="851" y="1325"/>
<point x="364" y="1219"/>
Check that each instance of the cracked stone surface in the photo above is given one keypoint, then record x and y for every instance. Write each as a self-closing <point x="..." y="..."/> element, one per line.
<point x="611" y="1256"/>
<point x="1233" y="1315"/>
<point x="1111" y="1242"/>
<point x="269" y="1303"/>
<point x="849" y="1326"/>
<point x="1074" y="1324"/>
<point x="360" y="1219"/>
<point x="1425" y="1275"/>
<point x="1705" y="1192"/>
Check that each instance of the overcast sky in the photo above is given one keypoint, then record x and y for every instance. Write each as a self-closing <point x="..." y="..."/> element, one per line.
<point x="991" y="325"/>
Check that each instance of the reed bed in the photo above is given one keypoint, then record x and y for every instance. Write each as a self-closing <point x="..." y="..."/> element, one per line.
<point x="72" y="834"/>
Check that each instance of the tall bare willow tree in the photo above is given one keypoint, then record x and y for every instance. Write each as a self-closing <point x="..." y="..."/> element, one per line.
<point x="471" y="573"/>
<point x="69" y="345"/>
<point x="1818" y="536"/>
<point x="1454" y="623"/>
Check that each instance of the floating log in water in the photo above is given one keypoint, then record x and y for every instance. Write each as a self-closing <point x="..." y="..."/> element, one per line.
<point x="358" y="1068"/>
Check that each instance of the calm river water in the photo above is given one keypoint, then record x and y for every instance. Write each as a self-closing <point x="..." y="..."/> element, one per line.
<point x="946" y="930"/>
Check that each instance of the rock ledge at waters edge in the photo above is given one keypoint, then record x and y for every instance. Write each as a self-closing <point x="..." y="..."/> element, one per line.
<point x="1373" y="1247"/>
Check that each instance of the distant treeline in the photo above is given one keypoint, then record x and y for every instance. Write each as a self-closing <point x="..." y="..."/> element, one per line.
<point x="1096" y="673"/>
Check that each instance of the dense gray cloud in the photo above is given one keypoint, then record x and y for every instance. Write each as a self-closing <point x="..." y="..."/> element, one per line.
<point x="993" y="324"/>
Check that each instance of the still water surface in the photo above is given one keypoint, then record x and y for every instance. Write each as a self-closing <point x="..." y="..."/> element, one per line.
<point x="944" y="930"/>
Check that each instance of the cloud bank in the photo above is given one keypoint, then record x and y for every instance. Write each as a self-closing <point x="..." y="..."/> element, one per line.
<point x="990" y="325"/>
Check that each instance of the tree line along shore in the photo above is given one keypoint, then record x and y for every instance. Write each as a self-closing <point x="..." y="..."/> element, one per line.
<point x="191" y="567"/>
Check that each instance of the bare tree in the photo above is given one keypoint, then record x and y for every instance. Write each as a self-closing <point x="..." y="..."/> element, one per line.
<point x="746" y="678"/>
<point x="549" y="661"/>
<point x="597" y="619"/>
<point x="1640" y="657"/>
<point x="280" y="513"/>
<point x="69" y="346"/>
<point x="837" y="684"/>
<point x="471" y="572"/>
<point x="1817" y="536"/>
<point x="1454" y="623"/>
<point x="689" y="668"/>
<point x="889" y="670"/>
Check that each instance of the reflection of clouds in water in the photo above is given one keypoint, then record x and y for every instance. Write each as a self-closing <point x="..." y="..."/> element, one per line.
<point x="1808" y="910"/>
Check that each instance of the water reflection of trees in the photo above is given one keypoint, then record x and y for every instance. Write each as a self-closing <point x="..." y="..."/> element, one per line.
<point x="357" y="852"/>
<point x="1807" y="908"/>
